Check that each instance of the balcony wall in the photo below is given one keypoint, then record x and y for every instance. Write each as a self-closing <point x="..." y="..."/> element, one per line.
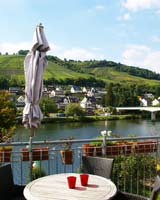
<point x="135" y="166"/>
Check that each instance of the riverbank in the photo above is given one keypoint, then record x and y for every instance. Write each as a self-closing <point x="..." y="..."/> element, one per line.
<point x="88" y="118"/>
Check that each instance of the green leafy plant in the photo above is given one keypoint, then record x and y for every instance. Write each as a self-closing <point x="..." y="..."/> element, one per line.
<point x="108" y="135"/>
<point x="68" y="144"/>
<point x="136" y="171"/>
<point x="37" y="171"/>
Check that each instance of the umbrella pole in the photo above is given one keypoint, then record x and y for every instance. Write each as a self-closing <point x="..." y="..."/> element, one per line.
<point x="30" y="152"/>
<point x="30" y="158"/>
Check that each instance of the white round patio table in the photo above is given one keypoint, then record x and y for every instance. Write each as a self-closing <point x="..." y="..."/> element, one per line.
<point x="55" y="187"/>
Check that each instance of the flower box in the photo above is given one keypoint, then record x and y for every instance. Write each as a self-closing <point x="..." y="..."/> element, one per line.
<point x="88" y="149"/>
<point x="115" y="149"/>
<point x="98" y="150"/>
<point x="146" y="147"/>
<point x="118" y="148"/>
<point x="38" y="153"/>
<point x="67" y="156"/>
<point x="5" y="154"/>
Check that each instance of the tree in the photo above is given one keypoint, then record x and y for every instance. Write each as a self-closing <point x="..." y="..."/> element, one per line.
<point x="23" y="52"/>
<point x="157" y="91"/>
<point x="7" y="116"/>
<point x="74" y="109"/>
<point x="47" y="106"/>
<point x="4" y="83"/>
<point x="139" y="91"/>
<point x="110" y="97"/>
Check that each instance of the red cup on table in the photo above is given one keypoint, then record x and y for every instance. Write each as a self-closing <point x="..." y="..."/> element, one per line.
<point x="71" y="181"/>
<point x="84" y="179"/>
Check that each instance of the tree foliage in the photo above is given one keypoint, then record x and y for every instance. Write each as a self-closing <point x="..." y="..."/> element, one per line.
<point x="110" y="97"/>
<point x="47" y="106"/>
<point x="157" y="91"/>
<point x="122" y="95"/>
<point x="74" y="109"/>
<point x="5" y="83"/>
<point x="90" y="82"/>
<point x="23" y="52"/>
<point x="7" y="116"/>
<point x="133" y="169"/>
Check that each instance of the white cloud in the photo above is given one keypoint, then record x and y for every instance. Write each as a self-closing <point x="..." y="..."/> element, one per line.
<point x="55" y="49"/>
<point x="81" y="54"/>
<point x="96" y="8"/>
<point x="158" y="12"/>
<point x="95" y="48"/>
<point x="99" y="7"/>
<point x="156" y="38"/>
<point x="135" y="5"/>
<point x="142" y="56"/>
<point x="153" y="60"/>
<point x="14" y="47"/>
<point x="125" y="17"/>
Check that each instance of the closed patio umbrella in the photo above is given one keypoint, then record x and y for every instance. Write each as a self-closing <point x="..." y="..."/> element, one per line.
<point x="34" y="64"/>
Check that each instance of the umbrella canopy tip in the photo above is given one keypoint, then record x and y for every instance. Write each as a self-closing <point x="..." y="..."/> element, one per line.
<point x="40" y="25"/>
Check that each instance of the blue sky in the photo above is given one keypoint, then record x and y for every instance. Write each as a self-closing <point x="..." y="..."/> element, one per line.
<point x="126" y="31"/>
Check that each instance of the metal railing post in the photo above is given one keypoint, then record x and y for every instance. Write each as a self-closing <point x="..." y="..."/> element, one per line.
<point x="104" y="144"/>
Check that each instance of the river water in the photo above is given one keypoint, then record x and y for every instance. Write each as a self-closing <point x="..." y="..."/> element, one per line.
<point x="54" y="131"/>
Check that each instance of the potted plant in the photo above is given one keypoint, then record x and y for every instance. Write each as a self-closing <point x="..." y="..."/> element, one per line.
<point x="88" y="149"/>
<point x="6" y="137"/>
<point x="112" y="147"/>
<point x="5" y="153"/>
<point x="66" y="151"/>
<point x="94" y="148"/>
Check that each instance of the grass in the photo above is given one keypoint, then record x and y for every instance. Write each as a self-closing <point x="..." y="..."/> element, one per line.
<point x="109" y="74"/>
<point x="59" y="72"/>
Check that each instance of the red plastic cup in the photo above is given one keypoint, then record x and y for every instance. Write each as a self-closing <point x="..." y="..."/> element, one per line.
<point x="71" y="181"/>
<point x="84" y="179"/>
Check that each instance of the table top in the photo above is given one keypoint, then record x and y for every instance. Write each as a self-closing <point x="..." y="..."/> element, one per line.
<point x="55" y="187"/>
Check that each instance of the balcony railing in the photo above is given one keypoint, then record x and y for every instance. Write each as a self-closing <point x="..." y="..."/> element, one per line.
<point x="135" y="163"/>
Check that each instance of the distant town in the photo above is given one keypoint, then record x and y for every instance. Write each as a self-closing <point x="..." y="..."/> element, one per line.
<point x="91" y="100"/>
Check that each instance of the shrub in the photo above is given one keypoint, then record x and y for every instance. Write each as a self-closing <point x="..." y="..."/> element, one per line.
<point x="74" y="109"/>
<point x="7" y="117"/>
<point x="134" y="171"/>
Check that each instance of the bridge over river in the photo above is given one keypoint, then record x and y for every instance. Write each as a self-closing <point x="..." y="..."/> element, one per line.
<point x="150" y="109"/>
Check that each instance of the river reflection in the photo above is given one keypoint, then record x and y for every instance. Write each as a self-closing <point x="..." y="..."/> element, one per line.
<point x="55" y="131"/>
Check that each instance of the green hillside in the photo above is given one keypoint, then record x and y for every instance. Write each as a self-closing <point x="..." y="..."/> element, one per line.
<point x="111" y="75"/>
<point x="11" y="66"/>
<point x="60" y="72"/>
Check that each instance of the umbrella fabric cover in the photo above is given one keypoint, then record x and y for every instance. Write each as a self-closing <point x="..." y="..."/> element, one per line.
<point x="34" y="64"/>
